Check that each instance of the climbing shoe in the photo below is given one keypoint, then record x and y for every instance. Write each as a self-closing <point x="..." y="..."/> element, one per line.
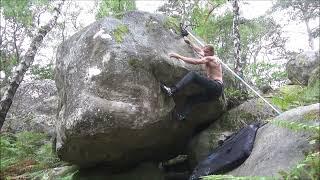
<point x="177" y="115"/>
<point x="180" y="117"/>
<point x="168" y="91"/>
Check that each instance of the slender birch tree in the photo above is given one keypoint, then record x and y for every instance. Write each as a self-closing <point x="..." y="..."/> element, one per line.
<point x="239" y="62"/>
<point x="25" y="63"/>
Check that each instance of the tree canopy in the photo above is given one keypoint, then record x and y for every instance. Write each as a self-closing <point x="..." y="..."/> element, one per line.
<point x="303" y="11"/>
<point x="114" y="7"/>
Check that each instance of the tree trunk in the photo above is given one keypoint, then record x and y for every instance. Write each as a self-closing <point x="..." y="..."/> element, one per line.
<point x="16" y="49"/>
<point x="304" y="8"/>
<point x="310" y="38"/>
<point x="238" y="61"/>
<point x="26" y="62"/>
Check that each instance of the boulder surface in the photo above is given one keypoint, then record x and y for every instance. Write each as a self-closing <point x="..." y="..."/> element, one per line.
<point x="34" y="108"/>
<point x="112" y="111"/>
<point x="300" y="68"/>
<point x="278" y="148"/>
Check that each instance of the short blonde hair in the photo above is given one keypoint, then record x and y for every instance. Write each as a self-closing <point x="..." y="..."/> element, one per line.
<point x="210" y="47"/>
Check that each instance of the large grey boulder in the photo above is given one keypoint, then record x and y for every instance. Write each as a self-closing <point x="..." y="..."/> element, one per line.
<point x="34" y="108"/>
<point x="278" y="148"/>
<point x="111" y="109"/>
<point x="314" y="77"/>
<point x="253" y="110"/>
<point x="300" y="68"/>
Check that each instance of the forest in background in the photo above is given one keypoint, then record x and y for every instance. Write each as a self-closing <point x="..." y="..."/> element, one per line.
<point x="254" y="48"/>
<point x="260" y="53"/>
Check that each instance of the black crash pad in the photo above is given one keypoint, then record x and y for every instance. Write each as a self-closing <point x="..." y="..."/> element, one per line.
<point x="232" y="153"/>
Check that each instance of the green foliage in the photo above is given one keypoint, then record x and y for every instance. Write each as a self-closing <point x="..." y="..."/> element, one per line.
<point x="312" y="115"/>
<point x="135" y="64"/>
<point x="114" y="8"/>
<point x="20" y="10"/>
<point x="308" y="169"/>
<point x="172" y="23"/>
<point x="180" y="8"/>
<point x="263" y="73"/>
<point x="7" y="64"/>
<point x="220" y="27"/>
<point x="120" y="32"/>
<point x="288" y="97"/>
<point x="311" y="93"/>
<point x="20" y="18"/>
<point x="231" y="92"/>
<point x="293" y="96"/>
<point x="295" y="126"/>
<point x="217" y="30"/>
<point x="193" y="12"/>
<point x="234" y="96"/>
<point x="314" y="76"/>
<point x="245" y="115"/>
<point x="45" y="72"/>
<point x="305" y="125"/>
<point x="25" y="152"/>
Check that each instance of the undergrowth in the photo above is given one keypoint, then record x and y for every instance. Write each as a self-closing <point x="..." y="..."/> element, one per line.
<point x="25" y="152"/>
<point x="307" y="169"/>
<point x="28" y="155"/>
<point x="293" y="96"/>
<point x="310" y="166"/>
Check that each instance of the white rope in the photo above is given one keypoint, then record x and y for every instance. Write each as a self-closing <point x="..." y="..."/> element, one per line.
<point x="227" y="67"/>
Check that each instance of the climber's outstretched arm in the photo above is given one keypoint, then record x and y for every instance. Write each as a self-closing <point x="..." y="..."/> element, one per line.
<point x="196" y="48"/>
<point x="188" y="59"/>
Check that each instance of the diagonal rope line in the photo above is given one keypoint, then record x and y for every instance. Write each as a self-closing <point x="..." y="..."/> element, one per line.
<point x="236" y="75"/>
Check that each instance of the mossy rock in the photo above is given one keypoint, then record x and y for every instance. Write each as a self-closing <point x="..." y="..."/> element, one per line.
<point x="123" y="98"/>
<point x="172" y="23"/>
<point x="250" y="111"/>
<point x="135" y="63"/>
<point x="120" y="32"/>
<point x="312" y="115"/>
<point x="314" y="77"/>
<point x="168" y="23"/>
<point x="299" y="69"/>
<point x="246" y="115"/>
<point x="234" y="97"/>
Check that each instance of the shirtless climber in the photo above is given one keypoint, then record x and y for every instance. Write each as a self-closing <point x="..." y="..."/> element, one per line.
<point x="213" y="83"/>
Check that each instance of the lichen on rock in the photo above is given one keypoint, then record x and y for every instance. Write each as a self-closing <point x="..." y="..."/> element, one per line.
<point x="119" y="32"/>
